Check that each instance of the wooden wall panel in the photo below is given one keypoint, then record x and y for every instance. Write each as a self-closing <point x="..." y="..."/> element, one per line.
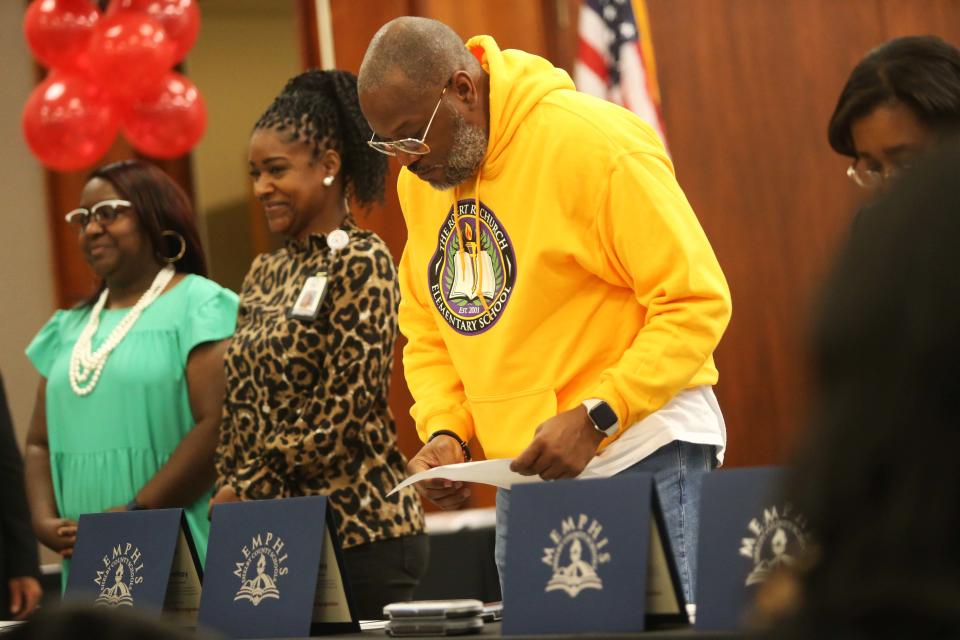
<point x="938" y="17"/>
<point x="515" y="25"/>
<point x="748" y="87"/>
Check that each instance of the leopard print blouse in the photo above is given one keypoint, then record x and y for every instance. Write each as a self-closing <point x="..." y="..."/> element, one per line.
<point x="306" y="410"/>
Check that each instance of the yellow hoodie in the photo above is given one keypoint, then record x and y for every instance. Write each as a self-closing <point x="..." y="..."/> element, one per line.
<point x="592" y="277"/>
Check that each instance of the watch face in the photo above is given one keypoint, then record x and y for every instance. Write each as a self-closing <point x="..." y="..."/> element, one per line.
<point x="603" y="416"/>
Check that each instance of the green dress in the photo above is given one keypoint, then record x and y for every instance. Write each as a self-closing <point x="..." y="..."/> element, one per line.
<point x="106" y="445"/>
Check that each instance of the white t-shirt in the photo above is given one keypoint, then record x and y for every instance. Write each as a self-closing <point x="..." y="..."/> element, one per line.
<point x="693" y="415"/>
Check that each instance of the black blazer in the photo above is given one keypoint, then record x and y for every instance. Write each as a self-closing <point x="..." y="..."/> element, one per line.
<point x="18" y="547"/>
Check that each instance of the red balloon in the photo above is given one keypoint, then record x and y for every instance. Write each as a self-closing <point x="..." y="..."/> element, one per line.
<point x="179" y="18"/>
<point x="68" y="121"/>
<point x="59" y="31"/>
<point x="168" y="122"/>
<point x="129" y="53"/>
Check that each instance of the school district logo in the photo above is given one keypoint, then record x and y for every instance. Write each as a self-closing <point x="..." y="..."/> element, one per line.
<point x="778" y="540"/>
<point x="474" y="269"/>
<point x="119" y="576"/>
<point x="261" y="566"/>
<point x="576" y="556"/>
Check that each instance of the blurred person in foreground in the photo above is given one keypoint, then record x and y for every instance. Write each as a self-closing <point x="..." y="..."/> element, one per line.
<point x="877" y="476"/>
<point x="68" y="622"/>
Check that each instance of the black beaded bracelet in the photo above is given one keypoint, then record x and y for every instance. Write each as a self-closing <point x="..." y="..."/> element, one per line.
<point x="463" y="445"/>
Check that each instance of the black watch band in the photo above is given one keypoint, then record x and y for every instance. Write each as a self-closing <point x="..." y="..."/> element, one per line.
<point x="463" y="445"/>
<point x="133" y="505"/>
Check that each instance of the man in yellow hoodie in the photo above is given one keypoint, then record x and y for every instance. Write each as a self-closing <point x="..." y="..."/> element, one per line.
<point x="560" y="299"/>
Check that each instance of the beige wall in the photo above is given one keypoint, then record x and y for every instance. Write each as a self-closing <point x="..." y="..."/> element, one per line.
<point x="246" y="51"/>
<point x="26" y="275"/>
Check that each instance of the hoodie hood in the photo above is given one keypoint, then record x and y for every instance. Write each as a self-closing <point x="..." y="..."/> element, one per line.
<point x="518" y="82"/>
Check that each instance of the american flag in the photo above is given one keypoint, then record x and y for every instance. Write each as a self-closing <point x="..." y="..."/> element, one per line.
<point x="615" y="57"/>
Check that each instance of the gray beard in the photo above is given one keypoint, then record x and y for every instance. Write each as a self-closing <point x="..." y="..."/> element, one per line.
<point x="466" y="154"/>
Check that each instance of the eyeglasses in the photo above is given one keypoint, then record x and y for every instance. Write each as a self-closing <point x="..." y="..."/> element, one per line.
<point x="871" y="178"/>
<point x="411" y="146"/>
<point x="103" y="213"/>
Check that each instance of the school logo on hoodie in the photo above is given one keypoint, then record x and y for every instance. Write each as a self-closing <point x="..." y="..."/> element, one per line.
<point x="474" y="269"/>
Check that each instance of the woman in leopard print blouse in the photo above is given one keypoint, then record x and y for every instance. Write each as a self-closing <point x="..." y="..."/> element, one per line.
<point x="308" y="369"/>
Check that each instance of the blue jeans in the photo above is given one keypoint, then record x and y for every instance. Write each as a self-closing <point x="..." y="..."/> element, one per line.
<point x="678" y="469"/>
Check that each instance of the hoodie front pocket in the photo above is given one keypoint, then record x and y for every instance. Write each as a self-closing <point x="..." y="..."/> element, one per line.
<point x="506" y="423"/>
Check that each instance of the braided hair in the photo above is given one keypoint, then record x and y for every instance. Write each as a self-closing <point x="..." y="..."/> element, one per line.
<point x="321" y="108"/>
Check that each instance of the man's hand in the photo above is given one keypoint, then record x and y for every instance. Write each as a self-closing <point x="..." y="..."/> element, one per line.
<point x="25" y="594"/>
<point x="59" y="534"/>
<point x="561" y="448"/>
<point x="440" y="451"/>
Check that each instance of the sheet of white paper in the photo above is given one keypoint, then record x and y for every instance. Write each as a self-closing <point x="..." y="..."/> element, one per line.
<point x="496" y="472"/>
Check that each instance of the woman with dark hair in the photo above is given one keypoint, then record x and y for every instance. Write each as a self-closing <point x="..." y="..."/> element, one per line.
<point x="877" y="477"/>
<point x="127" y="411"/>
<point x="900" y="100"/>
<point x="308" y="371"/>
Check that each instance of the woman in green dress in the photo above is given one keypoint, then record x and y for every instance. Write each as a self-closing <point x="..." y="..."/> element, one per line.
<point x="127" y="410"/>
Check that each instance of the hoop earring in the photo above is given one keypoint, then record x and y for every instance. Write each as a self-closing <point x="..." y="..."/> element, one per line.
<point x="183" y="245"/>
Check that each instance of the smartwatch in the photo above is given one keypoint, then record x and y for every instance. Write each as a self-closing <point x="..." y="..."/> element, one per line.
<point x="602" y="416"/>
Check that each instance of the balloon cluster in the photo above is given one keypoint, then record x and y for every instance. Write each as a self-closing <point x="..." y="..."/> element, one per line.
<point x="111" y="71"/>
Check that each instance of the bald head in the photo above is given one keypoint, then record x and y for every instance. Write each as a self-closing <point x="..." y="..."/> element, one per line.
<point x="418" y="52"/>
<point x="419" y="82"/>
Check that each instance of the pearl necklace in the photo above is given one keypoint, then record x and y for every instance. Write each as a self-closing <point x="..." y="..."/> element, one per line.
<point x="86" y="365"/>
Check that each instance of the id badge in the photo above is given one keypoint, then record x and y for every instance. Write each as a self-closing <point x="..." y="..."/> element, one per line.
<point x="311" y="296"/>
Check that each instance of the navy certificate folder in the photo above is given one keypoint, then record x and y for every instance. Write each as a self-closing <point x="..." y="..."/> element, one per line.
<point x="746" y="531"/>
<point x="144" y="559"/>
<point x="588" y="556"/>
<point x="274" y="570"/>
